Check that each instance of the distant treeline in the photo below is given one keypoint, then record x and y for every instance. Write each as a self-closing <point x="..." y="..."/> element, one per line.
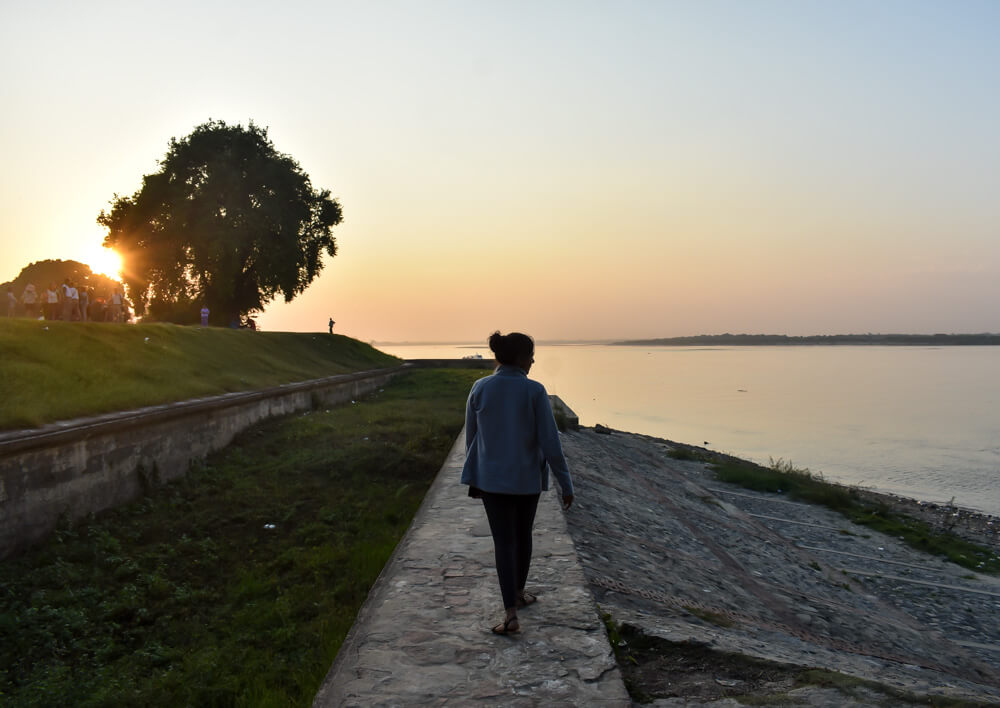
<point x="784" y="339"/>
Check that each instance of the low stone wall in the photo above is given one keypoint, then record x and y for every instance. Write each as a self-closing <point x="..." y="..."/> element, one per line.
<point x="570" y="419"/>
<point x="71" y="469"/>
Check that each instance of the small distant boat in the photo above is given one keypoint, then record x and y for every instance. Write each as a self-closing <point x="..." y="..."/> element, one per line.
<point x="473" y="356"/>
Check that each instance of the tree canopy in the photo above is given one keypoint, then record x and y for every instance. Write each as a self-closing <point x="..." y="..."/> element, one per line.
<point x="228" y="221"/>
<point x="43" y="273"/>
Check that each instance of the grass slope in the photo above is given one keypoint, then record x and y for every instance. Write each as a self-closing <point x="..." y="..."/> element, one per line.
<point x="190" y="597"/>
<point x="58" y="370"/>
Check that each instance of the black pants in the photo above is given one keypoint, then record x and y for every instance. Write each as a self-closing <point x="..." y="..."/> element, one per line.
<point x="511" y="517"/>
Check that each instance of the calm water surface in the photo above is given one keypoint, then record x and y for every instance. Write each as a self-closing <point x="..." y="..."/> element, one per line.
<point x="922" y="422"/>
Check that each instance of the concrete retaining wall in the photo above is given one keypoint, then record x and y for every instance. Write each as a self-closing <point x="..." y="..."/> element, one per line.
<point x="71" y="469"/>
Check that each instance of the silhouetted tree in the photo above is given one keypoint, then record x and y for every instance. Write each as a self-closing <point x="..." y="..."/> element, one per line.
<point x="227" y="221"/>
<point x="41" y="273"/>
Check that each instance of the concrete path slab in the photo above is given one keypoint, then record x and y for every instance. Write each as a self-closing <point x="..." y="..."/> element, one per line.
<point x="423" y="636"/>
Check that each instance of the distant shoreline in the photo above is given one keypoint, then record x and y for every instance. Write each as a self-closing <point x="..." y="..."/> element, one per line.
<point x="945" y="340"/>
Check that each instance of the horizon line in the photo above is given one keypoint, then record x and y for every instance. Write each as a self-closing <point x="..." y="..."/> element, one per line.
<point x="608" y="340"/>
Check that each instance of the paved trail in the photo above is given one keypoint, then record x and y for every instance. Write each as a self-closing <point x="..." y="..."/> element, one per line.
<point x="423" y="636"/>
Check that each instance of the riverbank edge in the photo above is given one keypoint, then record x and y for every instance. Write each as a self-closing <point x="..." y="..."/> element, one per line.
<point x="966" y="523"/>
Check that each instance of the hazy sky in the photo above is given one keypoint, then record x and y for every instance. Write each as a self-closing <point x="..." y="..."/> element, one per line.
<point x="570" y="169"/>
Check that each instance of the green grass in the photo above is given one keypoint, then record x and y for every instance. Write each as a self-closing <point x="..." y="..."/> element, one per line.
<point x="688" y="454"/>
<point x="187" y="597"/>
<point x="803" y="485"/>
<point x="58" y="370"/>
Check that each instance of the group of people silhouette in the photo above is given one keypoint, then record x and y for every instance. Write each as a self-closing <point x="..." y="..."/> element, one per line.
<point x="68" y="302"/>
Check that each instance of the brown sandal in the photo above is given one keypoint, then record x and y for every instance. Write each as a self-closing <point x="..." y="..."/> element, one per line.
<point x="506" y="629"/>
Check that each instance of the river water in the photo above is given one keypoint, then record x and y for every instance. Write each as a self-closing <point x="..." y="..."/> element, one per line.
<point x="918" y="421"/>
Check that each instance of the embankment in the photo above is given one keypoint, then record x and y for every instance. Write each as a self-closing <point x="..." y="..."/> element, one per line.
<point x="714" y="570"/>
<point x="120" y="409"/>
<point x="235" y="584"/>
<point x="52" y="371"/>
<point x="65" y="471"/>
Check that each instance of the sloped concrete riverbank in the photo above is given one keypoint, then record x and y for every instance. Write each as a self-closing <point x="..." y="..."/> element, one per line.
<point x="708" y="569"/>
<point x="672" y="552"/>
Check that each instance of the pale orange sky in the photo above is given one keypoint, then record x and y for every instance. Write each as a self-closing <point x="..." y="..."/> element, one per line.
<point x="573" y="170"/>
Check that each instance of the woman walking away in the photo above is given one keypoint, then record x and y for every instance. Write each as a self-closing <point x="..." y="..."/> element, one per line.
<point x="510" y="442"/>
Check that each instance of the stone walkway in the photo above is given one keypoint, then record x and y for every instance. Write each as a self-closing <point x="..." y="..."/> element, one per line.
<point x="423" y="637"/>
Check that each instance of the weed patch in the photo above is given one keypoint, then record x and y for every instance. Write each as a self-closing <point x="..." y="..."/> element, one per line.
<point x="688" y="454"/>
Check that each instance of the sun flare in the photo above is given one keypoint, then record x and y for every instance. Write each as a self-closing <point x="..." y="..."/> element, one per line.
<point x="104" y="261"/>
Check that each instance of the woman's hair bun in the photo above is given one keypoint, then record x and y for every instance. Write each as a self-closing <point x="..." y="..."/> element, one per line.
<point x="512" y="348"/>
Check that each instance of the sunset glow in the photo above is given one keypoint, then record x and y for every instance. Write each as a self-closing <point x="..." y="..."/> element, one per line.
<point x="104" y="261"/>
<point x="575" y="170"/>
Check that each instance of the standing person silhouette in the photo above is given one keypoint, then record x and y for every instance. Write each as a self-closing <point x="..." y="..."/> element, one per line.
<point x="332" y="323"/>
<point x="511" y="441"/>
<point x="84" y="303"/>
<point x="73" y="298"/>
<point x="67" y="301"/>
<point x="117" y="300"/>
<point x="51" y="304"/>
<point x="30" y="298"/>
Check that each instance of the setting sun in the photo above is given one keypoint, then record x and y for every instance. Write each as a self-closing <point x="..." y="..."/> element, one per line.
<point x="104" y="261"/>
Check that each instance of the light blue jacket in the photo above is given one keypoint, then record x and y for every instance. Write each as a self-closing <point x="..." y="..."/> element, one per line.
<point x="511" y="438"/>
